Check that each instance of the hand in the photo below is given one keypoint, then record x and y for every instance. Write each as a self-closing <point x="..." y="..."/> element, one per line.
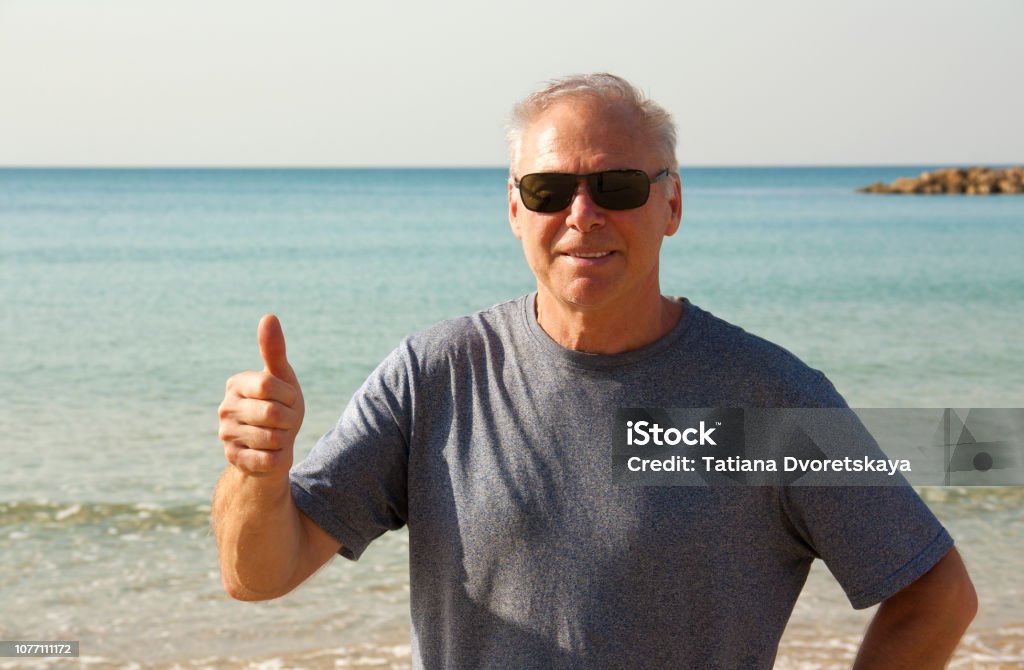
<point x="262" y="411"/>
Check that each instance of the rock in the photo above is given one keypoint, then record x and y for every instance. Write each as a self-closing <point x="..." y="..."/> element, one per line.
<point x="904" y="185"/>
<point x="977" y="180"/>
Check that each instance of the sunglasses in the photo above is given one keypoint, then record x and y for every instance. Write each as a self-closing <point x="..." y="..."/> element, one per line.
<point x="550" y="192"/>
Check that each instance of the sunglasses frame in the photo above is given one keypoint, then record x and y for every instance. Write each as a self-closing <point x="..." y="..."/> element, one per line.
<point x="591" y="181"/>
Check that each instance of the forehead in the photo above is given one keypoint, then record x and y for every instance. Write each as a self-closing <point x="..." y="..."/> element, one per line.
<point x="585" y="136"/>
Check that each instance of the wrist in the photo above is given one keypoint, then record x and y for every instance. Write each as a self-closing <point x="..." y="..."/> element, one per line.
<point x="268" y="486"/>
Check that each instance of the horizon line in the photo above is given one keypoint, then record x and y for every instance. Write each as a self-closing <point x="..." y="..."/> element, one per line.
<point x="228" y="166"/>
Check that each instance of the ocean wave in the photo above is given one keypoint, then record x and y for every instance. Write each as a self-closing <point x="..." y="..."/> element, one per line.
<point x="124" y="516"/>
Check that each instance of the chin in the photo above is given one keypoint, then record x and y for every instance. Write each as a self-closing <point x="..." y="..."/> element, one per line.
<point x="587" y="293"/>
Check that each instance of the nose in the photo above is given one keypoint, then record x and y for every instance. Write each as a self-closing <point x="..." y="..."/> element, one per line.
<point x="583" y="215"/>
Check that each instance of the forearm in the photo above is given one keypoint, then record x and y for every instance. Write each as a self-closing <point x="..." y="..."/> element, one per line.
<point x="259" y="535"/>
<point x="920" y="627"/>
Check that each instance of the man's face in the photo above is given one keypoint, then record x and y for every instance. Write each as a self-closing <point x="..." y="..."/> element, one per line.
<point x="585" y="256"/>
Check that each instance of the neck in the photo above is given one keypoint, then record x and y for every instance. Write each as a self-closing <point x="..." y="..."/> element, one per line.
<point x="607" y="330"/>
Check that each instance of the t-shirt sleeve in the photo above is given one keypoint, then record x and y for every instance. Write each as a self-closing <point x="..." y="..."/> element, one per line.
<point x="875" y="540"/>
<point x="353" y="483"/>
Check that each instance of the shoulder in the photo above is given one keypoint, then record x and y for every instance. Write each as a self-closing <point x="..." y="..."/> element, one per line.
<point x="462" y="340"/>
<point x="759" y="370"/>
<point x="430" y="363"/>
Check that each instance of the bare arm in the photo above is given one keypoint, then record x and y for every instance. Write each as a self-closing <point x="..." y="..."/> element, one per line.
<point x="267" y="546"/>
<point x="919" y="627"/>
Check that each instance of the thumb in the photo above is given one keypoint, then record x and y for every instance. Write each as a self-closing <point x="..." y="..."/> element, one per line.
<point x="272" y="349"/>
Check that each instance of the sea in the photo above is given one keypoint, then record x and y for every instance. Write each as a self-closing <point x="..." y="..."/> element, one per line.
<point x="129" y="296"/>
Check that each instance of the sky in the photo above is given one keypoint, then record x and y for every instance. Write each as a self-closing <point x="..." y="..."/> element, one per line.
<point x="341" y="83"/>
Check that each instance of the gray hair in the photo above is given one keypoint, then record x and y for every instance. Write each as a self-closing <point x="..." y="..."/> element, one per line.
<point x="602" y="87"/>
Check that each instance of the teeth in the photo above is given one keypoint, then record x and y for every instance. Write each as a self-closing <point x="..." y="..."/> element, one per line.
<point x="596" y="254"/>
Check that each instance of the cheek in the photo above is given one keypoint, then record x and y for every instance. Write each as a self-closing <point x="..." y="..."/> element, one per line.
<point x="532" y="250"/>
<point x="536" y="247"/>
<point x="644" y="248"/>
<point x="536" y="234"/>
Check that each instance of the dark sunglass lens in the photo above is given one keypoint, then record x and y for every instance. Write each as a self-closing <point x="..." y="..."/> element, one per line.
<point x="620" y="189"/>
<point x="547" y="191"/>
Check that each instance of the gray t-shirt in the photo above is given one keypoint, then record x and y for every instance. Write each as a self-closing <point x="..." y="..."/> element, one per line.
<point x="493" y="444"/>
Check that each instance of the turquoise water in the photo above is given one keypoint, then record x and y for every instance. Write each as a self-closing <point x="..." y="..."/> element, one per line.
<point x="129" y="296"/>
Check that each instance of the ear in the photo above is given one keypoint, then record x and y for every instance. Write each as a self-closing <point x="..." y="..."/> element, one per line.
<point x="675" y="203"/>
<point x="513" y="209"/>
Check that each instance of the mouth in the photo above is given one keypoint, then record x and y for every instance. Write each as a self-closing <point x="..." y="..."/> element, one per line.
<point x="588" y="259"/>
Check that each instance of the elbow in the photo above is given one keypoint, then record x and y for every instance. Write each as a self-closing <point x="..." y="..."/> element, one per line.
<point x="239" y="591"/>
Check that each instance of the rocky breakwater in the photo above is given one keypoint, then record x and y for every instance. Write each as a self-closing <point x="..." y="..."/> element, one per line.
<point x="956" y="181"/>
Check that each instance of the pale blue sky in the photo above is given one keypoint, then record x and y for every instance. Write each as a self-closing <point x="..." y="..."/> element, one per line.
<point x="317" y="82"/>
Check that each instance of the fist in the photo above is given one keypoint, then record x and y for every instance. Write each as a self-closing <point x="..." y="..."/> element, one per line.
<point x="262" y="411"/>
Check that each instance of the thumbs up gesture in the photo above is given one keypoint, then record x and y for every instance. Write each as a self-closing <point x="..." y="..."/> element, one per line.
<point x="262" y="411"/>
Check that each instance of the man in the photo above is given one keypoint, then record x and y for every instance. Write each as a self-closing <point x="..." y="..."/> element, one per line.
<point x="489" y="436"/>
